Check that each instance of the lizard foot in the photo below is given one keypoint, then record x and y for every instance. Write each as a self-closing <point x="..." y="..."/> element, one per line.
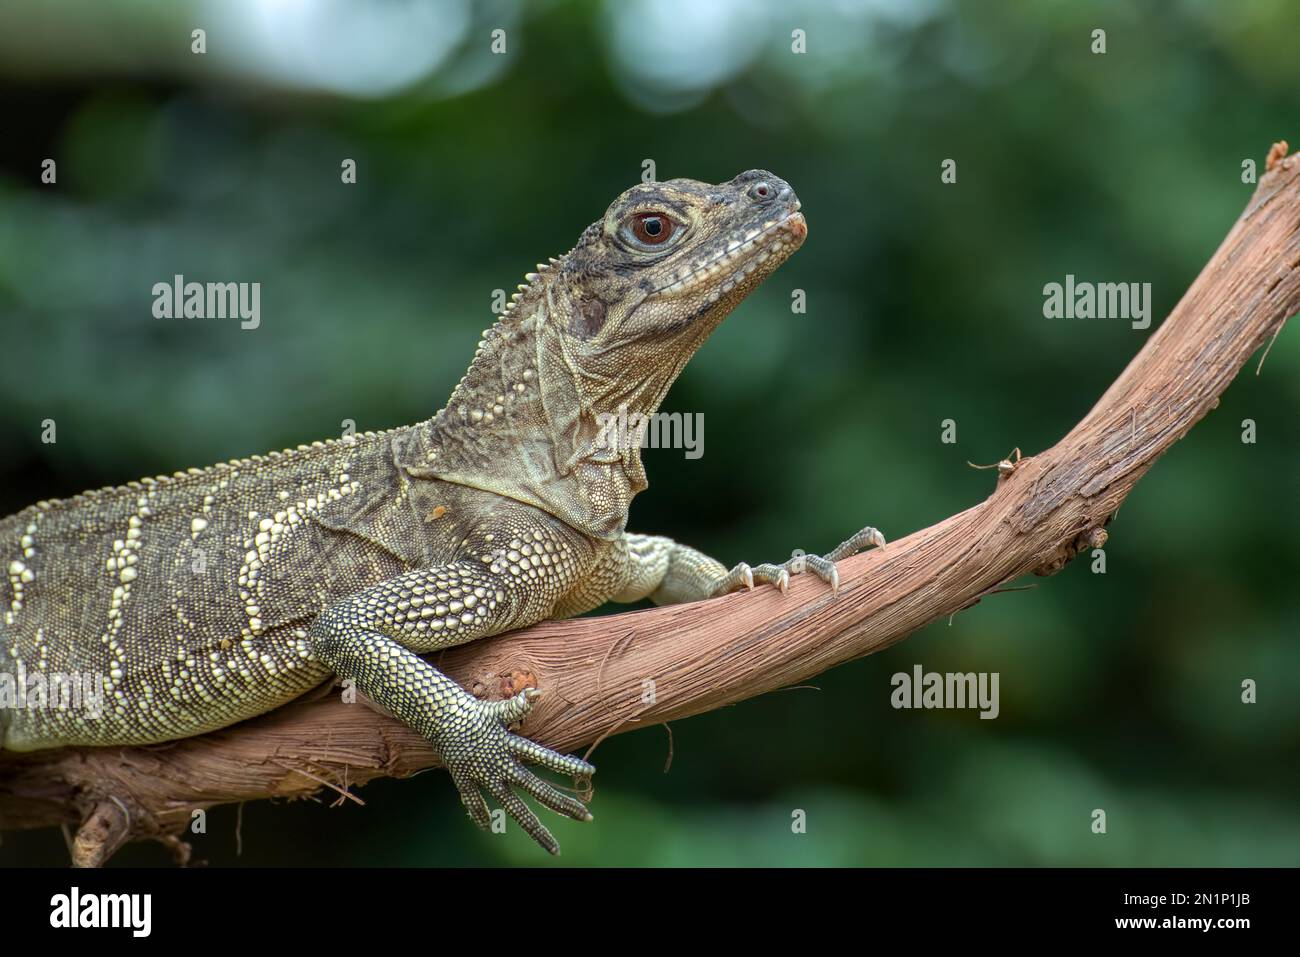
<point x="483" y="754"/>
<point x="745" y="576"/>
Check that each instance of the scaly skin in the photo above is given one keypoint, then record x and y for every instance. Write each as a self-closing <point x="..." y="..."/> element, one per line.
<point x="218" y="594"/>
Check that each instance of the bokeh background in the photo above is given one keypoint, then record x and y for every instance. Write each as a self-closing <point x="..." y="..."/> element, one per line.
<point x="1119" y="691"/>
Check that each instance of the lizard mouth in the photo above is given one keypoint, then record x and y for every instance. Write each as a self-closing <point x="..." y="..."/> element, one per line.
<point x="759" y="249"/>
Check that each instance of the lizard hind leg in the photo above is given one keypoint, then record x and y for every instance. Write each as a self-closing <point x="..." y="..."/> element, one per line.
<point x="369" y="638"/>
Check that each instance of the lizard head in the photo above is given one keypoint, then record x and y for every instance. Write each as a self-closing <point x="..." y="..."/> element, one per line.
<point x="667" y="262"/>
<point x="604" y="331"/>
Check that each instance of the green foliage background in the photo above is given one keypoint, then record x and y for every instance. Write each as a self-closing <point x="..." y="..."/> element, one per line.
<point x="1119" y="691"/>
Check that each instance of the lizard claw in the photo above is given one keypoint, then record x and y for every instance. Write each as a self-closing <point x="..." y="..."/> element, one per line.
<point x="482" y="754"/>
<point x="740" y="576"/>
<point x="778" y="575"/>
<point x="514" y="708"/>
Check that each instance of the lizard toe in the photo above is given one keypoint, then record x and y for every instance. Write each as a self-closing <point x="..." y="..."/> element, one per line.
<point x="514" y="708"/>
<point x="482" y="755"/>
<point x="549" y="795"/>
<point x="778" y="575"/>
<point x="868" y="537"/>
<point x="742" y="576"/>
<point x="523" y="815"/>
<point x="472" y="798"/>
<point x="544" y="757"/>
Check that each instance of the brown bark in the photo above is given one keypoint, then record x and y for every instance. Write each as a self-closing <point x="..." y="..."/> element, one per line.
<point x="594" y="671"/>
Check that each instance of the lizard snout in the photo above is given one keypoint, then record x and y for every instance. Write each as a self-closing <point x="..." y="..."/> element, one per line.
<point x="766" y="188"/>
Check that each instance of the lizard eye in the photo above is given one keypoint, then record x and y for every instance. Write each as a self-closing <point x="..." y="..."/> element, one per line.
<point x="652" y="229"/>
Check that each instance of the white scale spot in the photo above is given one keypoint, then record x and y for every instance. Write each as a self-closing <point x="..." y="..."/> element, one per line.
<point x="16" y="572"/>
<point x="123" y="563"/>
<point x="269" y="537"/>
<point x="20" y="573"/>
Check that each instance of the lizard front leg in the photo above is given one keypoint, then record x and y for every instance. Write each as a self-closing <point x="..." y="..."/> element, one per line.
<point x="668" y="572"/>
<point x="374" y="637"/>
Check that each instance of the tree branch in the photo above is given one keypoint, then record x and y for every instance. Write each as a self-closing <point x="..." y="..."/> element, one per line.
<point x="595" y="672"/>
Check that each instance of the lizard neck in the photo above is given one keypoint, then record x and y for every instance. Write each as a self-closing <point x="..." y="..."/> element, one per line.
<point x="526" y="422"/>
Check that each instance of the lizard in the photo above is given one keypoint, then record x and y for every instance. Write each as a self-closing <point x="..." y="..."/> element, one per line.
<point x="213" y="595"/>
